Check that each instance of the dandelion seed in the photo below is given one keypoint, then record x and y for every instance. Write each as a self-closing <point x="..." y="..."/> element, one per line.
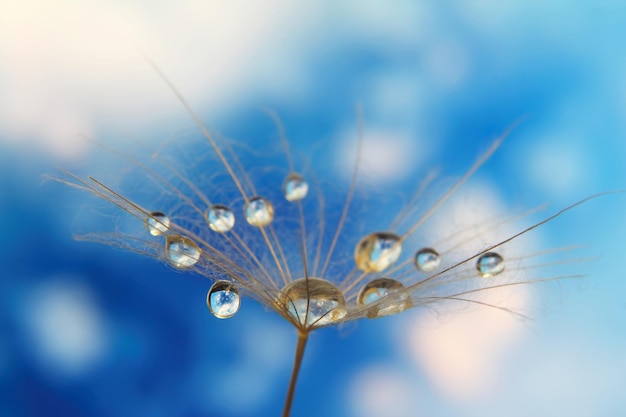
<point x="308" y="281"/>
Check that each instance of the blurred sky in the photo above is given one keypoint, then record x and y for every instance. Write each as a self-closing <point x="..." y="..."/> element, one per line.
<point x="88" y="330"/>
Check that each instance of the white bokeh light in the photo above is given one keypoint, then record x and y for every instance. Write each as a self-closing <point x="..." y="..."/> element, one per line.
<point x="69" y="68"/>
<point x="378" y="391"/>
<point x="386" y="155"/>
<point x="463" y="355"/>
<point x="67" y="329"/>
<point x="558" y="166"/>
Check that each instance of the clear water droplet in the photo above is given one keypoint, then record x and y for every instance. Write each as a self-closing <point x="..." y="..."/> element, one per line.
<point x="313" y="304"/>
<point x="223" y="299"/>
<point x="427" y="260"/>
<point x="396" y="298"/>
<point x="157" y="223"/>
<point x="490" y="264"/>
<point x="259" y="211"/>
<point x="182" y="252"/>
<point x="220" y="218"/>
<point x="295" y="187"/>
<point x="377" y="251"/>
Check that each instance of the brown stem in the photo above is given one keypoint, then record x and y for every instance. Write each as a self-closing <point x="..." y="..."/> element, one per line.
<point x="303" y="336"/>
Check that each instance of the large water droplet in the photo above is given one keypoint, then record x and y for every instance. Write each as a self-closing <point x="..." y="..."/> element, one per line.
<point x="427" y="260"/>
<point x="314" y="302"/>
<point x="182" y="252"/>
<point x="157" y="223"/>
<point x="259" y="211"/>
<point x="223" y="299"/>
<point x="220" y="218"/>
<point x="490" y="264"/>
<point x="295" y="187"/>
<point x="396" y="298"/>
<point x="377" y="251"/>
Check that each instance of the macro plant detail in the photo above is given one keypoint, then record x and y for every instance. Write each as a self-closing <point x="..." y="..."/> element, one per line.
<point x="276" y="243"/>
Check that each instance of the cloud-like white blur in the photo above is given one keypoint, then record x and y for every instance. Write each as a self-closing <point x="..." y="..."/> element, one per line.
<point x="378" y="391"/>
<point x="463" y="355"/>
<point x="69" y="67"/>
<point x="558" y="165"/>
<point x="386" y="155"/>
<point x="68" y="333"/>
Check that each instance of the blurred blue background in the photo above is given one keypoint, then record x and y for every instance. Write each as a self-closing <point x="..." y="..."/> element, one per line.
<point x="86" y="330"/>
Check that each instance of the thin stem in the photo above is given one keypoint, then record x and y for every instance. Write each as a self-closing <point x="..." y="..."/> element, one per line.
<point x="303" y="337"/>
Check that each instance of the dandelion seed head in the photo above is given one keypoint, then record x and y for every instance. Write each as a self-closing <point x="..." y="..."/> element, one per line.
<point x="312" y="266"/>
<point x="317" y="262"/>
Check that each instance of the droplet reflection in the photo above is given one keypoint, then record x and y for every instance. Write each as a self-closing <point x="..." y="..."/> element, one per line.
<point x="396" y="298"/>
<point x="377" y="251"/>
<point x="314" y="302"/>
<point x="490" y="264"/>
<point x="259" y="211"/>
<point x="220" y="218"/>
<point x="223" y="299"/>
<point x="157" y="223"/>
<point x="295" y="188"/>
<point x="427" y="260"/>
<point x="182" y="252"/>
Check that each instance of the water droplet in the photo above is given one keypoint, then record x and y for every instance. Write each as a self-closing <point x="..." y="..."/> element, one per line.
<point x="157" y="223"/>
<point x="377" y="251"/>
<point x="314" y="303"/>
<point x="220" y="218"/>
<point x="182" y="252"/>
<point x="223" y="299"/>
<point x="490" y="264"/>
<point x="259" y="211"/>
<point x="427" y="260"/>
<point x="396" y="297"/>
<point x="295" y="187"/>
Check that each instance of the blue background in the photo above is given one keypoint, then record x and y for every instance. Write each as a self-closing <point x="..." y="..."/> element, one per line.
<point x="144" y="344"/>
